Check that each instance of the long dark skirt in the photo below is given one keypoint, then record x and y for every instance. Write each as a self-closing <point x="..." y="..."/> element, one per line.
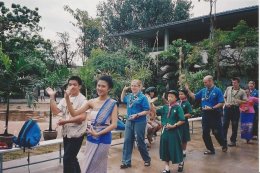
<point x="247" y="125"/>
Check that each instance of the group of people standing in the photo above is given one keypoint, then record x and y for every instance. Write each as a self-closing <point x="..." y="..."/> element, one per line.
<point x="174" y="121"/>
<point x="241" y="103"/>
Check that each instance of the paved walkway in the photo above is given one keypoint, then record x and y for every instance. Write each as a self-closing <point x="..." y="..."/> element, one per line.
<point x="241" y="159"/>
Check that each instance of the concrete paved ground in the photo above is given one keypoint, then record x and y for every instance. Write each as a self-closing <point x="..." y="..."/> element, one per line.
<point x="241" y="159"/>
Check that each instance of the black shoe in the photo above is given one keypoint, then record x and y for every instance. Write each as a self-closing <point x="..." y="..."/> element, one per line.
<point x="209" y="152"/>
<point x="224" y="148"/>
<point x="232" y="144"/>
<point x="184" y="155"/>
<point x="124" y="166"/>
<point x="165" y="171"/>
<point x="180" y="167"/>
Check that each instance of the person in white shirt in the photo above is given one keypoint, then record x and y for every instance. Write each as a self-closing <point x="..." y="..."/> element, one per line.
<point x="73" y="128"/>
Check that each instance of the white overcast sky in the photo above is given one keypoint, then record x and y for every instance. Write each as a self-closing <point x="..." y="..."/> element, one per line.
<point x="55" y="19"/>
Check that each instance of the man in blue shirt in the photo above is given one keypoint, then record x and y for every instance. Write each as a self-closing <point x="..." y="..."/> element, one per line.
<point x="254" y="93"/>
<point x="212" y="101"/>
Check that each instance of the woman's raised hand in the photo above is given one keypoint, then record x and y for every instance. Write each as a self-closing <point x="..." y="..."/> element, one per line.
<point x="126" y="88"/>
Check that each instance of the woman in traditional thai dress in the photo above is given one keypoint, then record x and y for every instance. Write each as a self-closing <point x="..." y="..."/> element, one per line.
<point x="185" y="128"/>
<point x="172" y="117"/>
<point x="103" y="118"/>
<point x="247" y="114"/>
<point x="137" y="109"/>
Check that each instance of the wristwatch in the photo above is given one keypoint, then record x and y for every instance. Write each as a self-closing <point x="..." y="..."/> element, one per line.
<point x="137" y="115"/>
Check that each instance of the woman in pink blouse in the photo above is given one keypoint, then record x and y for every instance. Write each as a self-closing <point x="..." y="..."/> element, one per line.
<point x="247" y="114"/>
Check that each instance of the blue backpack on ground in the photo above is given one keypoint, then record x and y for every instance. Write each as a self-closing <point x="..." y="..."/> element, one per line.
<point x="29" y="135"/>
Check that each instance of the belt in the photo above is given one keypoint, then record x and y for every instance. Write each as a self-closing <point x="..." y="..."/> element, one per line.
<point x="100" y="127"/>
<point x="233" y="106"/>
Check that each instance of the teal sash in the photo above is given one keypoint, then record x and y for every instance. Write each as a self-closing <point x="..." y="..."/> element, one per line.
<point x="103" y="114"/>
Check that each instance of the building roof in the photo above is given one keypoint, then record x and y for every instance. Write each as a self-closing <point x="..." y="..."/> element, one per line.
<point x="187" y="28"/>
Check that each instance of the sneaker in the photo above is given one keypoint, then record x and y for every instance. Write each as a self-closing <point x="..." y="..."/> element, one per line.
<point x="208" y="152"/>
<point x="180" y="167"/>
<point x="254" y="138"/>
<point x="147" y="163"/>
<point x="232" y="144"/>
<point x="165" y="171"/>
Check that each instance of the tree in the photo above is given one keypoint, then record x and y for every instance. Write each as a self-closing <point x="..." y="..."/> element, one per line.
<point x="19" y="36"/>
<point x="63" y="51"/>
<point x="90" y="32"/>
<point x="13" y="78"/>
<point x="182" y="10"/>
<point x="169" y="63"/>
<point x="236" y="48"/>
<point x="123" y="66"/>
<point x="211" y="17"/>
<point x="20" y="21"/>
<point x="119" y="16"/>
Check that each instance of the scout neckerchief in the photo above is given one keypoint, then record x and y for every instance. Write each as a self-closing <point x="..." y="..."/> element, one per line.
<point x="170" y="108"/>
<point x="252" y="92"/>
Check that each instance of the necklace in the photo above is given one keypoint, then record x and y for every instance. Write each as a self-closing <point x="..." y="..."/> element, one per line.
<point x="232" y="91"/>
<point x="133" y="98"/>
<point x="208" y="93"/>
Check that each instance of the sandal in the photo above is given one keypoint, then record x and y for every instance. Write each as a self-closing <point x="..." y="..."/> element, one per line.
<point x="180" y="167"/>
<point x="165" y="171"/>
<point x="209" y="152"/>
<point x="147" y="163"/>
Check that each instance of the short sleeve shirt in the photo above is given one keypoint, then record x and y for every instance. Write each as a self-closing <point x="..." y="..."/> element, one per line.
<point x="176" y="114"/>
<point x="186" y="106"/>
<point x="72" y="130"/>
<point x="210" y="97"/>
<point x="231" y="95"/>
<point x="136" y="104"/>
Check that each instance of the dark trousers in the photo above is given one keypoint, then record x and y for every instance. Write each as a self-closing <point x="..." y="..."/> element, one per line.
<point x="231" y="114"/>
<point x="211" y="120"/>
<point x="71" y="149"/>
<point x="255" y="124"/>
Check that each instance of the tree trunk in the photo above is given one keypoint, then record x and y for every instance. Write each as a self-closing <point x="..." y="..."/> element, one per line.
<point x="50" y="121"/>
<point x="211" y="28"/>
<point x="7" y="115"/>
<point x="217" y="63"/>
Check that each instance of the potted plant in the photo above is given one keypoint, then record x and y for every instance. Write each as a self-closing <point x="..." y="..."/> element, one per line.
<point x="54" y="79"/>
